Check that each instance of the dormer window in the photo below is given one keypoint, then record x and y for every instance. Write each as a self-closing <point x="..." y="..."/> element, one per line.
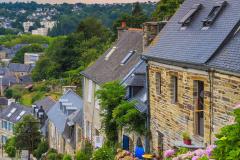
<point x="186" y="20"/>
<point x="128" y="56"/>
<point x="207" y="22"/>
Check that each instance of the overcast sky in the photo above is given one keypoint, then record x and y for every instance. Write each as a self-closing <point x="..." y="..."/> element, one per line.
<point x="77" y="1"/>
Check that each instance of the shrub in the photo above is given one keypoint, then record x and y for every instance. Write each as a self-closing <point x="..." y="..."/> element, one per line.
<point x="228" y="146"/>
<point x="80" y="155"/>
<point x="52" y="156"/>
<point x="41" y="149"/>
<point x="67" y="157"/>
<point x="104" y="153"/>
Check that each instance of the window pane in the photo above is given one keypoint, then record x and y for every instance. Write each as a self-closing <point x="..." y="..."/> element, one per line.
<point x="158" y="83"/>
<point x="174" y="89"/>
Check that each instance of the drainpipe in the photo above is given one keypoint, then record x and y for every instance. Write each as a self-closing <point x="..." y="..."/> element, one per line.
<point x="211" y="80"/>
<point x="147" y="136"/>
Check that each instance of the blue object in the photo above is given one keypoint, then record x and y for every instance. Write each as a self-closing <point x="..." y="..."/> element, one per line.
<point x="125" y="143"/>
<point x="139" y="152"/>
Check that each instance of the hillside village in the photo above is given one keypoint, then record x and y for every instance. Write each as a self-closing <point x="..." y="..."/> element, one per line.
<point x="165" y="89"/>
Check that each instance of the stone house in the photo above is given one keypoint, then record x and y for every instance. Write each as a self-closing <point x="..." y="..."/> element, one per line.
<point x="65" y="123"/>
<point x="9" y="116"/>
<point x="18" y="70"/>
<point x="115" y="64"/>
<point x="193" y="72"/>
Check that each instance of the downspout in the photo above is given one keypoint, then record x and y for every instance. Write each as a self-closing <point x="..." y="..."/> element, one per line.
<point x="147" y="136"/>
<point x="211" y="80"/>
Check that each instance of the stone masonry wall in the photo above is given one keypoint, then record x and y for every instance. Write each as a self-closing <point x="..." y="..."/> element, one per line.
<point x="172" y="119"/>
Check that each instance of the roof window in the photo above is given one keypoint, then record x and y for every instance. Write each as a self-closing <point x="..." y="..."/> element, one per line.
<point x="186" y="20"/>
<point x="128" y="56"/>
<point x="207" y="22"/>
<point x="11" y="112"/>
<point x="110" y="53"/>
<point x="20" y="115"/>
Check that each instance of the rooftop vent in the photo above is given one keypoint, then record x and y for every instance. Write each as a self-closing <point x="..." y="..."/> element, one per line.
<point x="186" y="20"/>
<point x="128" y="56"/>
<point x="207" y="22"/>
<point x="110" y="53"/>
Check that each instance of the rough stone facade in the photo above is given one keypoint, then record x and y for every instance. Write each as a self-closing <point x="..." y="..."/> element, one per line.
<point x="169" y="120"/>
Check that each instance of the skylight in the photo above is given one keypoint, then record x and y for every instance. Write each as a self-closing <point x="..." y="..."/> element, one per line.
<point x="128" y="56"/>
<point x="11" y="112"/>
<point x="186" y="20"/>
<point x="20" y="115"/>
<point x="110" y="53"/>
<point x="207" y="22"/>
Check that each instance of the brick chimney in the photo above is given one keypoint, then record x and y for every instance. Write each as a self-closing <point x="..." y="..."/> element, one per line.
<point x="122" y="28"/>
<point x="150" y="31"/>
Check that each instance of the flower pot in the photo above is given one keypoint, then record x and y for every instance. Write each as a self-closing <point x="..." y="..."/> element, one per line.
<point x="187" y="141"/>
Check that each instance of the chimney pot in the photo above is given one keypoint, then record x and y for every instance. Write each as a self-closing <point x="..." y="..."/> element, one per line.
<point x="124" y="24"/>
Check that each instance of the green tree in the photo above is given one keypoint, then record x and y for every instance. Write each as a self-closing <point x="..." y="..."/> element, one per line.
<point x="165" y="9"/>
<point x="86" y="152"/>
<point x="33" y="48"/>
<point x="10" y="147"/>
<point x="41" y="149"/>
<point x="110" y="95"/>
<point x="27" y="133"/>
<point x="127" y="116"/>
<point x="228" y="146"/>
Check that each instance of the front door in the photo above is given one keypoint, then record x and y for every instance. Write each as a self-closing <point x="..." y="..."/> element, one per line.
<point x="125" y="142"/>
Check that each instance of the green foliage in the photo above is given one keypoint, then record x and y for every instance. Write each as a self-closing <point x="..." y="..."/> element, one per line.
<point x="52" y="156"/>
<point x="165" y="9"/>
<point x="127" y="116"/>
<point x="25" y="39"/>
<point x="182" y="150"/>
<point x="67" y="157"/>
<point x="67" y="56"/>
<point x="86" y="152"/>
<point x="27" y="133"/>
<point x="134" y="20"/>
<point x="14" y="92"/>
<point x="110" y="95"/>
<point x="104" y="153"/>
<point x="10" y="147"/>
<point x="186" y="136"/>
<point x="41" y="149"/>
<point x="33" y="48"/>
<point x="228" y="146"/>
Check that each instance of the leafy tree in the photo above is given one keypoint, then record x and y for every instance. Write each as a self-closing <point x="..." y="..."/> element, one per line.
<point x="10" y="147"/>
<point x="27" y="133"/>
<point x="33" y="48"/>
<point x="228" y="146"/>
<point x="127" y="116"/>
<point x="165" y="9"/>
<point x="41" y="149"/>
<point x="86" y="152"/>
<point x="110" y="95"/>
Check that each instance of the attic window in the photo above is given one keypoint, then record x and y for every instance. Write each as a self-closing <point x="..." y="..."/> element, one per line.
<point x="20" y="115"/>
<point x="110" y="53"/>
<point x="128" y="56"/>
<point x="207" y="22"/>
<point x="186" y="20"/>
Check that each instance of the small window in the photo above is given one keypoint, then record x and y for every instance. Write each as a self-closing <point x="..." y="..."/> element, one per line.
<point x="158" y="83"/>
<point x="186" y="20"/>
<point x="128" y="56"/>
<point x="207" y="22"/>
<point x="174" y="89"/>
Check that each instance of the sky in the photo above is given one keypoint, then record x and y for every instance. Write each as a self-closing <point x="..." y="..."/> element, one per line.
<point x="77" y="1"/>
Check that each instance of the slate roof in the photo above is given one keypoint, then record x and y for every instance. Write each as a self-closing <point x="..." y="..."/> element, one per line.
<point x="13" y="117"/>
<point x="26" y="79"/>
<point x="57" y="116"/>
<point x="46" y="103"/>
<point x="3" y="101"/>
<point x="9" y="80"/>
<point x="228" y="58"/>
<point x="17" y="67"/>
<point x="193" y="45"/>
<point x="103" y="71"/>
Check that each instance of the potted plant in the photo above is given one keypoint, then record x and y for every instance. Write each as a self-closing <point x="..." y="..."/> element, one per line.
<point x="186" y="138"/>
